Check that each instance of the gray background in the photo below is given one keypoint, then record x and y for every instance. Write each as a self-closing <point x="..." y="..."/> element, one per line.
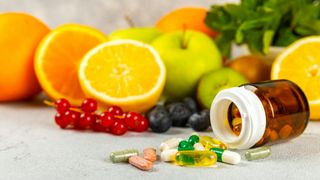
<point x="33" y="147"/>
<point x="107" y="15"/>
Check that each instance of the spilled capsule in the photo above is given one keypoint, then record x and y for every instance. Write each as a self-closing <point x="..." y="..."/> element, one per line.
<point x="195" y="158"/>
<point x="227" y="156"/>
<point x="258" y="153"/>
<point x="210" y="142"/>
<point x="168" y="155"/>
<point x="123" y="156"/>
<point x="170" y="144"/>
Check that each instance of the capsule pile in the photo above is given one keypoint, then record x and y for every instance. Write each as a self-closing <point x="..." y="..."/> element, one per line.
<point x="204" y="151"/>
<point x="194" y="151"/>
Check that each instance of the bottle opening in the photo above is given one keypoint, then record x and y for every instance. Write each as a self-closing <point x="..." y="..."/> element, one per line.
<point x="234" y="119"/>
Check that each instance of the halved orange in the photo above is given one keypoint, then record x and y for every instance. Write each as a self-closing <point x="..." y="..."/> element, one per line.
<point x="58" y="56"/>
<point x="126" y="73"/>
<point x="300" y="63"/>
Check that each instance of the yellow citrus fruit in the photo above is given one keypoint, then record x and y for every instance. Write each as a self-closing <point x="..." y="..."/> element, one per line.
<point x="300" y="63"/>
<point x="20" y="35"/>
<point x="58" y="57"/>
<point x="126" y="73"/>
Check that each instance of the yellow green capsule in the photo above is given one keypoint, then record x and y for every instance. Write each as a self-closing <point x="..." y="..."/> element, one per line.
<point x="123" y="156"/>
<point x="258" y="153"/>
<point x="210" y="142"/>
<point x="195" y="158"/>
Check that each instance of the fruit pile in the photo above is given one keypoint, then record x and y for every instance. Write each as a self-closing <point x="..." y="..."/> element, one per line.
<point x="113" y="120"/>
<point x="152" y="70"/>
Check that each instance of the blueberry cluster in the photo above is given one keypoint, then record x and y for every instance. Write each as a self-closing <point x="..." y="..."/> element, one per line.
<point x="178" y="114"/>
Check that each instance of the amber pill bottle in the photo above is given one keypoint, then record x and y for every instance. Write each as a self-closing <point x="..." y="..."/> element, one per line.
<point x="260" y="113"/>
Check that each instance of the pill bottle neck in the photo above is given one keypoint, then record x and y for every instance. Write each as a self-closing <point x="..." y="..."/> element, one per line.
<point x="252" y="114"/>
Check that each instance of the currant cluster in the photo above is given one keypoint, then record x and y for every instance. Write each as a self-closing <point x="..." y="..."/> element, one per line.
<point x="113" y="120"/>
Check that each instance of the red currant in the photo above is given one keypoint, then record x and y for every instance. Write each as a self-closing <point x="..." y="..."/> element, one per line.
<point x="136" y="122"/>
<point x="119" y="128"/>
<point x="130" y="119"/>
<point x="62" y="105"/>
<point x="115" y="110"/>
<point x="67" y="118"/>
<point x="96" y="126"/>
<point x="59" y="119"/>
<point x="107" y="119"/>
<point x="142" y="124"/>
<point x="71" y="117"/>
<point x="89" y="105"/>
<point x="85" y="120"/>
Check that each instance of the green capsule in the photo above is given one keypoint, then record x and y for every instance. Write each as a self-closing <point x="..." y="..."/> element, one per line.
<point x="123" y="156"/>
<point x="185" y="145"/>
<point x="258" y="153"/>
<point x="193" y="139"/>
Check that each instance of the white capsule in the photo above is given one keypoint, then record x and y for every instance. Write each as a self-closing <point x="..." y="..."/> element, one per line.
<point x="168" y="155"/>
<point x="227" y="156"/>
<point x="170" y="144"/>
<point x="198" y="147"/>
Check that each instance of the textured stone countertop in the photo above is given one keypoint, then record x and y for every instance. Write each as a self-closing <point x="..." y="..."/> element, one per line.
<point x="33" y="147"/>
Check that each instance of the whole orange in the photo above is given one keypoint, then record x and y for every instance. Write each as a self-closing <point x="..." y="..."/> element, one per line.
<point x="188" y="17"/>
<point x="20" y="35"/>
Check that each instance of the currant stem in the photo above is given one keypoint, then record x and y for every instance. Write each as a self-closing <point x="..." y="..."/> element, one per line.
<point x="50" y="103"/>
<point x="129" y="21"/>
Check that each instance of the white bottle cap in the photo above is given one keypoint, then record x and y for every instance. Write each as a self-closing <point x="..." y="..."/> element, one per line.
<point x="252" y="113"/>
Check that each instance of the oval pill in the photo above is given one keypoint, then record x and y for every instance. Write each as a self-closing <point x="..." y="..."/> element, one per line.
<point x="258" y="153"/>
<point x="170" y="143"/>
<point x="150" y="154"/>
<point x="140" y="163"/>
<point x="123" y="155"/>
<point x="168" y="155"/>
<point x="227" y="156"/>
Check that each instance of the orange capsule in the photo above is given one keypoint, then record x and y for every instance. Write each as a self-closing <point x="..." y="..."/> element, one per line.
<point x="285" y="131"/>
<point x="150" y="154"/>
<point x="140" y="163"/>
<point x="273" y="135"/>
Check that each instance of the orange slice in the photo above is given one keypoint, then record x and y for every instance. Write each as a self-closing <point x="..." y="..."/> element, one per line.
<point x="58" y="57"/>
<point x="300" y="63"/>
<point x="126" y="73"/>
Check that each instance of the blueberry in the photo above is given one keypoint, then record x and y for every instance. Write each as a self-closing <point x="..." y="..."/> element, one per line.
<point x="200" y="122"/>
<point x="191" y="103"/>
<point x="179" y="114"/>
<point x="159" y="120"/>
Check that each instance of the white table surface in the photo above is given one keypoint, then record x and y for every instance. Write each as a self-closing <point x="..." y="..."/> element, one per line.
<point x="33" y="147"/>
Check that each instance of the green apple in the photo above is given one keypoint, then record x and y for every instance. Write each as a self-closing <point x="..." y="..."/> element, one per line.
<point x="142" y="34"/>
<point x="211" y="83"/>
<point x="187" y="56"/>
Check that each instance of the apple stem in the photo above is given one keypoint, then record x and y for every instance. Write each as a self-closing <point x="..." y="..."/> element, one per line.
<point x="129" y="21"/>
<point x="183" y="40"/>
